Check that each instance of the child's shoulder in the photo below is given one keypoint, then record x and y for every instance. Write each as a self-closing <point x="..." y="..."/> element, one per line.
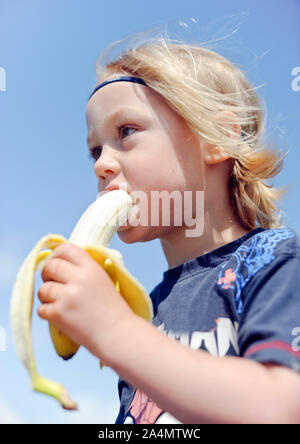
<point x="260" y="254"/>
<point x="271" y="243"/>
<point x="262" y="246"/>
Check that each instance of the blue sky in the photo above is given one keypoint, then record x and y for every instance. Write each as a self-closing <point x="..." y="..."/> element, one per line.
<point x="48" y="51"/>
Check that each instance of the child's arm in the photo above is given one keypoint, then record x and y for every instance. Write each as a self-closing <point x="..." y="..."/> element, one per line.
<point x="192" y="385"/>
<point x="197" y="387"/>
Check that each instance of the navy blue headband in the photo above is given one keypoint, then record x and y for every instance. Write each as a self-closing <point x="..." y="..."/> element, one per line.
<point x="119" y="79"/>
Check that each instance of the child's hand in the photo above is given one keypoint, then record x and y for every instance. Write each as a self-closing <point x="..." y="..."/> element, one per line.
<point x="80" y="299"/>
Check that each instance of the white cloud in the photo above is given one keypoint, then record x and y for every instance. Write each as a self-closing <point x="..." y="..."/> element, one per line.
<point x="91" y="410"/>
<point x="8" y="415"/>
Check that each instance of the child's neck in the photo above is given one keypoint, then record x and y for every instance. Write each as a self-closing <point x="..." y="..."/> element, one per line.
<point x="179" y="249"/>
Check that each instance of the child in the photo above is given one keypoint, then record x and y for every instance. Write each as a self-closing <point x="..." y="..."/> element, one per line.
<point x="176" y="117"/>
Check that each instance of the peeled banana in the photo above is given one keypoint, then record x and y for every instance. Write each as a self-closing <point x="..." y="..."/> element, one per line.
<point x="93" y="233"/>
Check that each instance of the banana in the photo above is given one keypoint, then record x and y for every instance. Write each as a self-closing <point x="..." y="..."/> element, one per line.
<point x="93" y="233"/>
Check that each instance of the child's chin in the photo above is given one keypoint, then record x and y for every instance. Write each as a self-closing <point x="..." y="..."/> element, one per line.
<point x="132" y="234"/>
<point x="125" y="234"/>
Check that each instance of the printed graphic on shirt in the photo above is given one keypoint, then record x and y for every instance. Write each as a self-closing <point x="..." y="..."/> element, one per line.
<point x="142" y="409"/>
<point x="253" y="258"/>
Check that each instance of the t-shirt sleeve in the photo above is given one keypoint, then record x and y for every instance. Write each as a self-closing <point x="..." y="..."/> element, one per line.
<point x="269" y="328"/>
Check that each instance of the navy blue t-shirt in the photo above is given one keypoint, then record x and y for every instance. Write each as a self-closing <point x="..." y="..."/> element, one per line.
<point x="242" y="299"/>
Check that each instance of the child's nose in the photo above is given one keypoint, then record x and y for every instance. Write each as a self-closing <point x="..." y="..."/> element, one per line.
<point x="107" y="164"/>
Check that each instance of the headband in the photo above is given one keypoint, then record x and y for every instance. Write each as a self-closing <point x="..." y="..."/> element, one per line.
<point x="119" y="79"/>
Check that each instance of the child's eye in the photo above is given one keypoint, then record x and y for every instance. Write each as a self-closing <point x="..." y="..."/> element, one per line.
<point x="95" y="153"/>
<point x="125" y="131"/>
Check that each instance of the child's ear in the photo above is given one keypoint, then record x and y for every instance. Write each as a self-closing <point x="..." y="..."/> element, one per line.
<point x="213" y="153"/>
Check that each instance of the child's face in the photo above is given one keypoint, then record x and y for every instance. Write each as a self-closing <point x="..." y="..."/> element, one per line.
<point x="139" y="141"/>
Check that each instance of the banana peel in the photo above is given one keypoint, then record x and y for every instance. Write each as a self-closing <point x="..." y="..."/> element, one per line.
<point x="23" y="293"/>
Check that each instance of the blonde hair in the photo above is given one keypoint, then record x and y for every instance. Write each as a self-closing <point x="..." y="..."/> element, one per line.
<point x="198" y="83"/>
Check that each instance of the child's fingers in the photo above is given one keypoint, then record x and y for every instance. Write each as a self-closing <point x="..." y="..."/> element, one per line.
<point x="45" y="311"/>
<point x="50" y="291"/>
<point x="71" y="252"/>
<point x="57" y="269"/>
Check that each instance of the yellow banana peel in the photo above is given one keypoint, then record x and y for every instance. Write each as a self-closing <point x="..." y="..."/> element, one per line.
<point x="93" y="233"/>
